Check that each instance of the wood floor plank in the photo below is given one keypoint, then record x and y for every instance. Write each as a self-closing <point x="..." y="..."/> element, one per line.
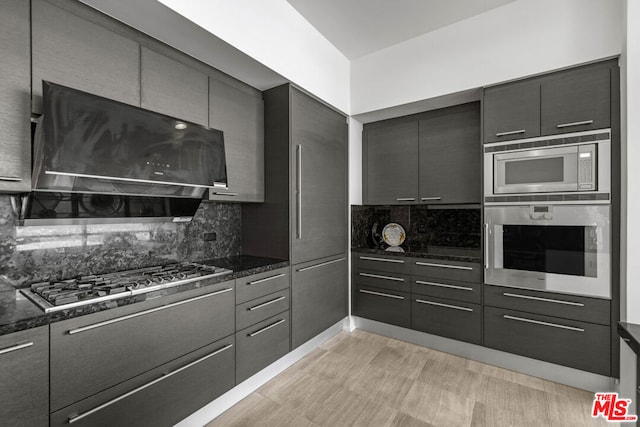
<point x="489" y="416"/>
<point x="381" y="386"/>
<point x="437" y="406"/>
<point x="406" y="364"/>
<point x="522" y="400"/>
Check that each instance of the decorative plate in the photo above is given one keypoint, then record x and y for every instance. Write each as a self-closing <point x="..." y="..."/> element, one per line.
<point x="393" y="234"/>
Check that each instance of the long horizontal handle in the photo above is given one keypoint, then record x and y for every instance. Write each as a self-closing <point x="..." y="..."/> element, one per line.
<point x="76" y="418"/>
<point x="405" y="199"/>
<point x="555" y="301"/>
<point x="539" y="322"/>
<point x="381" y="294"/>
<point x="511" y="132"/>
<point x="264" y="304"/>
<point x="322" y="264"/>
<point x="378" y="276"/>
<point x="443" y="285"/>
<point x="16" y="347"/>
<point x="439" y="304"/>
<point x="424" y="199"/>
<point x="266" y="328"/>
<point x="266" y="279"/>
<point x="218" y="193"/>
<point x="395" y="261"/>
<point x="455" y="267"/>
<point x="10" y="178"/>
<point x="142" y="313"/>
<point x="566" y="125"/>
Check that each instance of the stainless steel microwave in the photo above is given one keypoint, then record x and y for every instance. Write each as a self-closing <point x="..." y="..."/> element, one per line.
<point x="561" y="168"/>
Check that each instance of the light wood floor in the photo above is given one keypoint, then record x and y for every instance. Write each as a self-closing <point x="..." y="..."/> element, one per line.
<point x="363" y="379"/>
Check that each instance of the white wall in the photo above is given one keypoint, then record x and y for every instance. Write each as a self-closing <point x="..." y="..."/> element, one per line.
<point x="519" y="39"/>
<point x="275" y="34"/>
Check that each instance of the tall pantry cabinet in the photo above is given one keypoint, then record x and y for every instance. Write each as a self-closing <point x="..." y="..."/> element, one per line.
<point x="304" y="217"/>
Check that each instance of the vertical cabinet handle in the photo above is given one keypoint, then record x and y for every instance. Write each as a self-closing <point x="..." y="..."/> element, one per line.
<point x="486" y="246"/>
<point x="299" y="191"/>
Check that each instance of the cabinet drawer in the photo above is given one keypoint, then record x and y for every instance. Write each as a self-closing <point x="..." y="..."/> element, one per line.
<point x="163" y="396"/>
<point x="449" y="289"/>
<point x="261" y="344"/>
<point x="384" y="306"/>
<point x="378" y="279"/>
<point x="92" y="353"/>
<point x="248" y="288"/>
<point x="451" y="319"/>
<point x="389" y="264"/>
<point x="450" y="270"/>
<point x="580" y="345"/>
<point x="551" y="304"/>
<point x="259" y="309"/>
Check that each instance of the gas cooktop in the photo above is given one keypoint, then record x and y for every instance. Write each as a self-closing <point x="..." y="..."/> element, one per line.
<point x="59" y="295"/>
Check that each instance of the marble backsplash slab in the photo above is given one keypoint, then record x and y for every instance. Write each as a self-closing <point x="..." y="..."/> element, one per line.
<point x="34" y="253"/>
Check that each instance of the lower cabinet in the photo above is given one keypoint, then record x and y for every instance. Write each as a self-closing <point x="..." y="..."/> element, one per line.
<point x="24" y="378"/>
<point x="318" y="297"/>
<point x="452" y="319"/>
<point x="384" y="306"/>
<point x="161" y="397"/>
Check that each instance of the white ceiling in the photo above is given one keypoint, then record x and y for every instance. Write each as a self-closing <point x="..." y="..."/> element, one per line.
<point x="359" y="27"/>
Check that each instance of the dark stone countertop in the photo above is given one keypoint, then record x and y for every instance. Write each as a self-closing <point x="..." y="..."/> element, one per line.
<point x="433" y="252"/>
<point x="630" y="333"/>
<point x="18" y="313"/>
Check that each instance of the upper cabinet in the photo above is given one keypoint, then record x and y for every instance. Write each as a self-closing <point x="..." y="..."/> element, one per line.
<point x="72" y="51"/>
<point x="172" y="88"/>
<point x="15" y="91"/>
<point x="573" y="100"/>
<point x="512" y="111"/>
<point x="390" y="155"/>
<point x="450" y="155"/>
<point x="238" y="111"/>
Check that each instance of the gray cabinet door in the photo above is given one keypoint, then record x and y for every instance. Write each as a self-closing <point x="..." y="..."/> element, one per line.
<point x="172" y="88"/>
<point x="318" y="297"/>
<point x="24" y="378"/>
<point x="240" y="115"/>
<point x="450" y="155"/>
<point x="512" y="111"/>
<point x="72" y="51"/>
<point x="319" y="174"/>
<point x="15" y="137"/>
<point x="390" y="169"/>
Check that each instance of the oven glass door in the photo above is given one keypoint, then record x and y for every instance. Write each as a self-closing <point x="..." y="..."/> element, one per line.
<point x="559" y="248"/>
<point x="539" y="171"/>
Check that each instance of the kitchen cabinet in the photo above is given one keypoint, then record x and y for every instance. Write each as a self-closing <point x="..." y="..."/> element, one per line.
<point x="450" y="155"/>
<point x="511" y="111"/>
<point x="452" y="319"/>
<point x="318" y="297"/>
<point x="386" y="306"/>
<point x="172" y="88"/>
<point x="238" y="111"/>
<point x="24" y="377"/>
<point x="15" y="89"/>
<point x="95" y="352"/>
<point x="160" y="397"/>
<point x="391" y="162"/>
<point x="75" y="52"/>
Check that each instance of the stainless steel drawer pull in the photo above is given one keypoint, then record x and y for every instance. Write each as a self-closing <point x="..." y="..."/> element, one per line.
<point x="369" y="258"/>
<point x="555" y="301"/>
<point x="443" y="285"/>
<point x="566" y="125"/>
<point x="455" y="267"/>
<point x="10" y="178"/>
<point x="264" y="304"/>
<point x="405" y="199"/>
<point x="486" y="246"/>
<point x="424" y="199"/>
<point x="266" y="328"/>
<point x="538" y="322"/>
<point x="142" y="313"/>
<point x="322" y="264"/>
<point x="16" y="347"/>
<point x="218" y="193"/>
<point x="380" y="294"/>
<point x="266" y="279"/>
<point x="439" y="304"/>
<point x="377" y="276"/>
<point x="75" y="417"/>
<point x="299" y="191"/>
<point x="511" y="132"/>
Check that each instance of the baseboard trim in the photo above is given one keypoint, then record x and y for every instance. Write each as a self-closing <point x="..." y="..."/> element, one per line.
<point x="525" y="365"/>
<point x="245" y="388"/>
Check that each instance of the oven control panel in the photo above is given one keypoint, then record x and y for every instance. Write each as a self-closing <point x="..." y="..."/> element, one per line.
<point x="541" y="212"/>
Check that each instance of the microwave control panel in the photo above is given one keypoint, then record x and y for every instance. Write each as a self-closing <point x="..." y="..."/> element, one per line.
<point x="587" y="167"/>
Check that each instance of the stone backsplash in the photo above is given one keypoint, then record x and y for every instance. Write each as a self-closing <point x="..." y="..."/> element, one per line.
<point x="34" y="253"/>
